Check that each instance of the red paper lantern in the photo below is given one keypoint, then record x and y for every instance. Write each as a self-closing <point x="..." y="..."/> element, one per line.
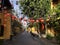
<point x="8" y="14"/>
<point x="37" y="21"/>
<point x="5" y="16"/>
<point x="13" y="17"/>
<point x="32" y="21"/>
<point x="42" y="20"/>
<point x="25" y="19"/>
<point x="20" y="18"/>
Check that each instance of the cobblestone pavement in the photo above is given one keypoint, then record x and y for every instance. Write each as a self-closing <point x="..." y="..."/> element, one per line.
<point x="25" y="39"/>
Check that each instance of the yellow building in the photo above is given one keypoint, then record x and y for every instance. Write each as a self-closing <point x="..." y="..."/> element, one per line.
<point x="5" y="21"/>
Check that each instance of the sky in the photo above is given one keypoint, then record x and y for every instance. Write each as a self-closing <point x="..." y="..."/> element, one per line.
<point x="16" y="7"/>
<point x="18" y="11"/>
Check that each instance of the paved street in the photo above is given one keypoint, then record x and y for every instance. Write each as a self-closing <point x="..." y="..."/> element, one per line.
<point x="24" y="39"/>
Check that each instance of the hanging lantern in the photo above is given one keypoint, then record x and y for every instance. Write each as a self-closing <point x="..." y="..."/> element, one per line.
<point x="5" y="16"/>
<point x="20" y="18"/>
<point x="25" y="19"/>
<point x="32" y="21"/>
<point x="8" y="14"/>
<point x="42" y="20"/>
<point x="13" y="17"/>
<point x="37" y="21"/>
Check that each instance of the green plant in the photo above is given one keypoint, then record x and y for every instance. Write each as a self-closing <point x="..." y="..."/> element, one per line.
<point x="58" y="38"/>
<point x="35" y="8"/>
<point x="49" y="37"/>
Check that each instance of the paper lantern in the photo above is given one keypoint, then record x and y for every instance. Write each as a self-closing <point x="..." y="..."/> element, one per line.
<point x="32" y="21"/>
<point x="37" y="21"/>
<point x="20" y="18"/>
<point x="8" y="14"/>
<point x="42" y="20"/>
<point x="25" y="19"/>
<point x="13" y="17"/>
<point x="5" y="16"/>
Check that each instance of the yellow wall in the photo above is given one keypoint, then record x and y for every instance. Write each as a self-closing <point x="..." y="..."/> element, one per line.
<point x="7" y="26"/>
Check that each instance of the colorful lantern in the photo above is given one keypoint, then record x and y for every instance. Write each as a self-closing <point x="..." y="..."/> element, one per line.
<point x="37" y="21"/>
<point x="32" y="21"/>
<point x="13" y="17"/>
<point x="8" y="14"/>
<point x="42" y="20"/>
<point x="20" y="18"/>
<point x="25" y="19"/>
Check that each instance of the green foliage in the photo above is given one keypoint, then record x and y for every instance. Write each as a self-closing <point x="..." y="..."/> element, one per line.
<point x="49" y="37"/>
<point x="58" y="38"/>
<point x="56" y="18"/>
<point x="35" y="8"/>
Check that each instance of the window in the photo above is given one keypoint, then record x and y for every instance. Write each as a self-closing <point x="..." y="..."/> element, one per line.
<point x="1" y="29"/>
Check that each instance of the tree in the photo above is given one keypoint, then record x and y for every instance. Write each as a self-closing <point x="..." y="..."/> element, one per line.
<point x="35" y="8"/>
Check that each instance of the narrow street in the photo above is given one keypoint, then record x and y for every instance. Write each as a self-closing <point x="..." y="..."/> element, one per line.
<point x="24" y="39"/>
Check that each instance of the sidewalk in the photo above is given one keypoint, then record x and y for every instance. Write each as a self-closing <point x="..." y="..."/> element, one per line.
<point x="48" y="42"/>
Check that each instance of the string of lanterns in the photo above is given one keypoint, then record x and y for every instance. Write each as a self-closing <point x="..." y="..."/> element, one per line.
<point x="32" y="20"/>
